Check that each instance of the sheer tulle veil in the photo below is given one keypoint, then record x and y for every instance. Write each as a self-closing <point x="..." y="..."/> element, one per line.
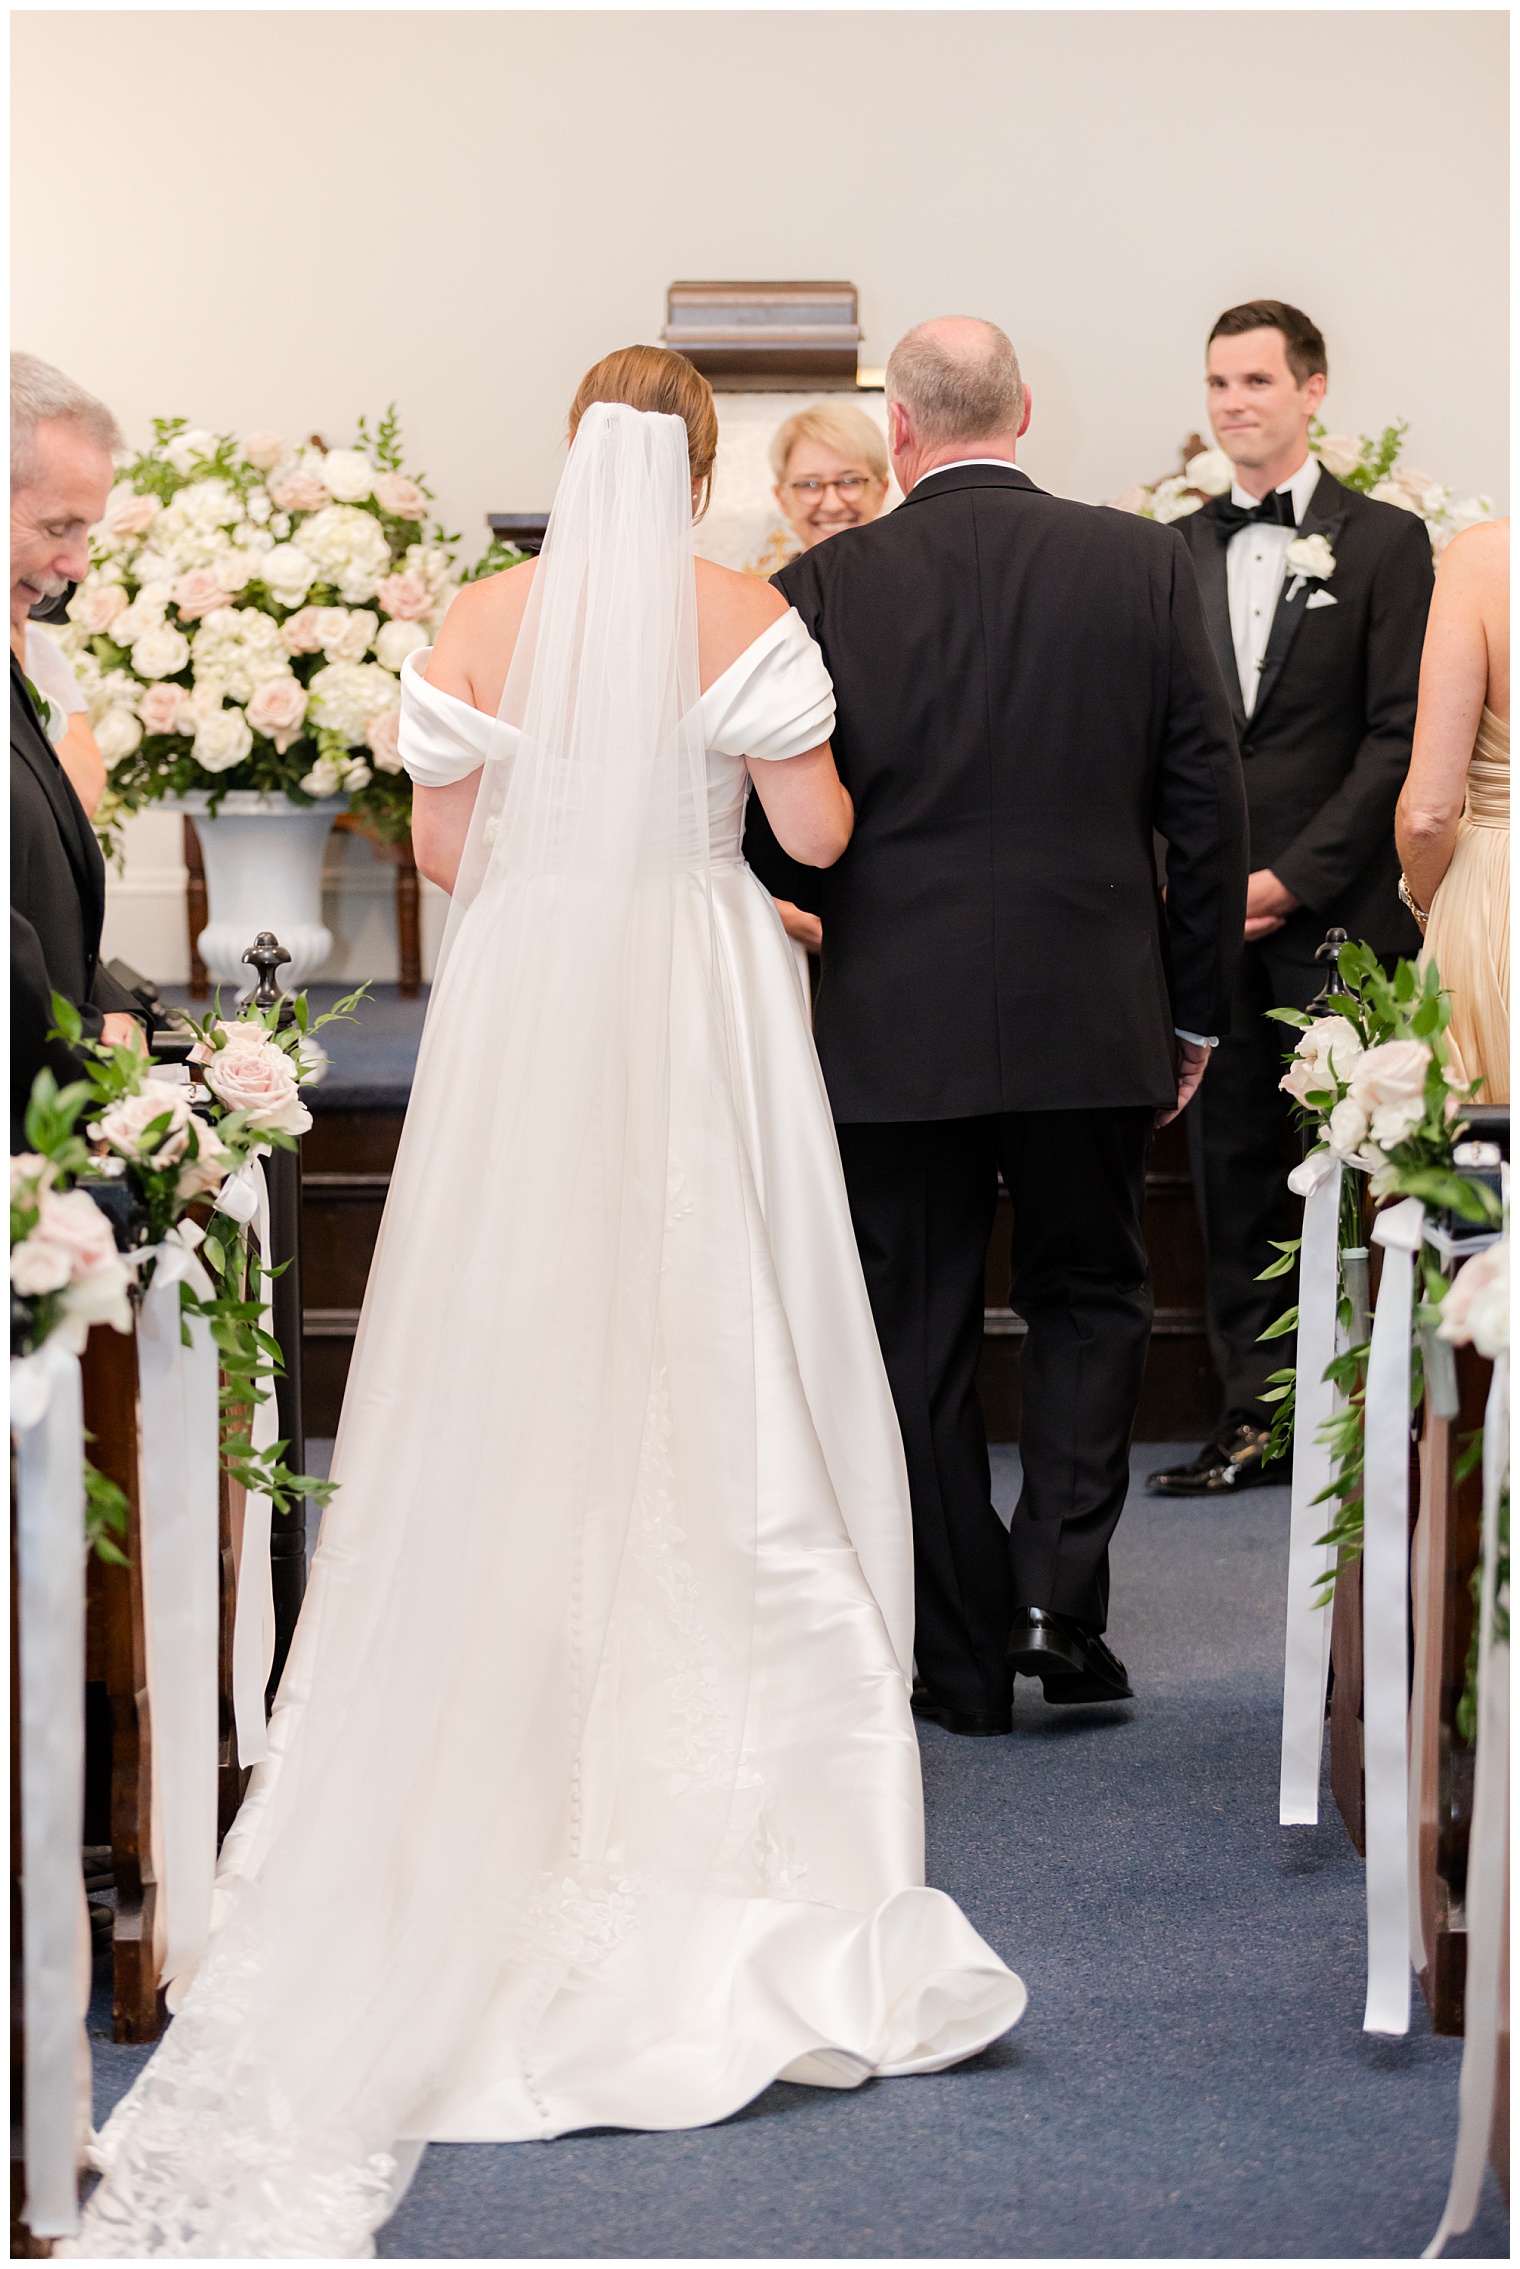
<point x="555" y="1357"/>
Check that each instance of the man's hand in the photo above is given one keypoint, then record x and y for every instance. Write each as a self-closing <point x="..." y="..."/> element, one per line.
<point x="1195" y="1062"/>
<point x="118" y="1030"/>
<point x="1268" y="905"/>
<point x="805" y="928"/>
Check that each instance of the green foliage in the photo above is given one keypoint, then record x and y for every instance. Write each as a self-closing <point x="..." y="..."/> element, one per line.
<point x="105" y="1514"/>
<point x="497" y="556"/>
<point x="1377" y="460"/>
<point x="1467" y="1707"/>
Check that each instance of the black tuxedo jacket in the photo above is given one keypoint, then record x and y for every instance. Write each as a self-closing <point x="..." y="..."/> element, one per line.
<point x="58" y="903"/>
<point x="1026" y="691"/>
<point x="1327" y="746"/>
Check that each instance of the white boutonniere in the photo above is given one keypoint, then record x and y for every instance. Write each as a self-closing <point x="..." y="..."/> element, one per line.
<point x="1309" y="559"/>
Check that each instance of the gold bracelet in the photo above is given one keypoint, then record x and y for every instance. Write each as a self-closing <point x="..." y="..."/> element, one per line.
<point x="1406" y="898"/>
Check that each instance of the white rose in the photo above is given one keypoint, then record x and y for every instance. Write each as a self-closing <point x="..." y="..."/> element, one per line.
<point x="1327" y="1050"/>
<point x="263" y="449"/>
<point x="97" y="604"/>
<point x="1393" y="492"/>
<point x="1394" y="1122"/>
<point x="349" y="475"/>
<point x="1393" y="1073"/>
<point x="1170" y="500"/>
<point x="1211" y="471"/>
<point x="346" y="695"/>
<point x="1312" y="556"/>
<point x="288" y="572"/>
<point x="222" y="740"/>
<point x="37" y="1266"/>
<point x="186" y="449"/>
<point x="260" y="1081"/>
<point x="209" y="1168"/>
<point x="356" y="775"/>
<point x="382" y="737"/>
<point x="397" y="640"/>
<point x="1347" y="1128"/>
<point x="344" y="635"/>
<point x="324" y="779"/>
<point x="160" y="653"/>
<point x="1476" y="1308"/>
<point x="349" y="548"/>
<point x="125" y="1125"/>
<point x="1340" y="453"/>
<point x="118" y="735"/>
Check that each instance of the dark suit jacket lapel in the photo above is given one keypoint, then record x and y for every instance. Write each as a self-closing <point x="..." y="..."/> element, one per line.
<point x="1209" y="549"/>
<point x="1321" y="519"/>
<point x="30" y="743"/>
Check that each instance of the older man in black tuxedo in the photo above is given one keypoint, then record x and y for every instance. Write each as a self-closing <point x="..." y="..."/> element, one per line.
<point x="61" y="444"/>
<point x="1315" y="598"/>
<point x="1026" y="694"/>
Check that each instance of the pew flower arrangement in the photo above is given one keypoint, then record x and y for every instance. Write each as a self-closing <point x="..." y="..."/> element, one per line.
<point x="249" y="605"/>
<point x="1372" y="1077"/>
<point x="1358" y="462"/>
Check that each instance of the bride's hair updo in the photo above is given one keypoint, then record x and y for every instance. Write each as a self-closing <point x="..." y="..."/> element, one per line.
<point x="652" y="378"/>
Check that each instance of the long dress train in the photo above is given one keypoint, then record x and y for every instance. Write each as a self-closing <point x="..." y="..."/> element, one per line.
<point x="594" y="1792"/>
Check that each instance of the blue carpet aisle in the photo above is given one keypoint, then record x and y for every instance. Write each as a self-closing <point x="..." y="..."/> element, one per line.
<point x="1190" y="2079"/>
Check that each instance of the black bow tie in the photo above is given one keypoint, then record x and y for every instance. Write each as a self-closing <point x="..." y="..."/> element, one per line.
<point x="1274" y="511"/>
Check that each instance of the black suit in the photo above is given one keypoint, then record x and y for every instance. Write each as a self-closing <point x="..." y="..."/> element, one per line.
<point x="1026" y="693"/>
<point x="1325" y="752"/>
<point x="58" y="900"/>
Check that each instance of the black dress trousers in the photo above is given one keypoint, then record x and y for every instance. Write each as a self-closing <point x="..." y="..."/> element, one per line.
<point x="922" y="1196"/>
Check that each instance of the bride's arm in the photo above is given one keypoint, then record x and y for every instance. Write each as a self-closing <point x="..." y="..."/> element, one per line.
<point x="440" y="823"/>
<point x="469" y="661"/>
<point x="807" y="804"/>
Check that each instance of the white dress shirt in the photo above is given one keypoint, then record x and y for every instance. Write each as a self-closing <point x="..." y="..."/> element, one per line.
<point x="1255" y="565"/>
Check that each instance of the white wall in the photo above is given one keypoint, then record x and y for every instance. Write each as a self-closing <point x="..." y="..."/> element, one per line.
<point x="286" y="218"/>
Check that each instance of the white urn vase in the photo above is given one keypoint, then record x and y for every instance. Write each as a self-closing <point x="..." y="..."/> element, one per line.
<point x="263" y="861"/>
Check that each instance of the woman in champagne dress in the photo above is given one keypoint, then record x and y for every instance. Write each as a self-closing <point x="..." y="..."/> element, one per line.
<point x="1453" y="816"/>
<point x="593" y="1796"/>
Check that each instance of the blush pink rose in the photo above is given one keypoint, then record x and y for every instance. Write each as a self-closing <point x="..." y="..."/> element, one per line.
<point x="196" y="593"/>
<point x="300" y="631"/>
<point x="298" y="491"/>
<point x="260" y="1082"/>
<point x="277" y="708"/>
<point x="162" y="707"/>
<point x="263" y="449"/>
<point x="405" y="598"/>
<point x="395" y="494"/>
<point x="128" y="514"/>
<point x="383" y="734"/>
<point x="95" y="606"/>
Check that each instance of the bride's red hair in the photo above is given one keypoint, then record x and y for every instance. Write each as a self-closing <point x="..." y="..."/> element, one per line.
<point x="652" y="378"/>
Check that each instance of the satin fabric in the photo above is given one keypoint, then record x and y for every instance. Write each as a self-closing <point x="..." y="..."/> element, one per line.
<point x="821" y="1956"/>
<point x="1468" y="934"/>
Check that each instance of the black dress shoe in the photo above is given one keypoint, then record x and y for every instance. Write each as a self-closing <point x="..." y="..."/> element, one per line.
<point x="1070" y="1659"/>
<point x="960" y="1721"/>
<point x="1232" y="1461"/>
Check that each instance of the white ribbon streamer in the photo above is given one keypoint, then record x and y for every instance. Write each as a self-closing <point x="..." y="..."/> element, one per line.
<point x="177" y="1386"/>
<point x="245" y="1197"/>
<point x="1488" y="1852"/>
<point x="1385" y="1623"/>
<point x="1306" y="1654"/>
<point x="47" y="1414"/>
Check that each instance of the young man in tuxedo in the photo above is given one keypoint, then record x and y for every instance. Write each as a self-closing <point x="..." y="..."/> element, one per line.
<point x="1025" y="695"/>
<point x="1315" y="598"/>
<point x="61" y="444"/>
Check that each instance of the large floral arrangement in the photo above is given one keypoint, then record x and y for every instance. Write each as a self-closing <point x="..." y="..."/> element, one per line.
<point x="1373" y="467"/>
<point x="248" y="608"/>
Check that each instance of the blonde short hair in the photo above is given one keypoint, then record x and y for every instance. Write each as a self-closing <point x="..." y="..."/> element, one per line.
<point x="838" y="425"/>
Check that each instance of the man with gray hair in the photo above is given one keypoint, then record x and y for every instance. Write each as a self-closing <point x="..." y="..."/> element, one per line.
<point x="1026" y="698"/>
<point x="62" y="441"/>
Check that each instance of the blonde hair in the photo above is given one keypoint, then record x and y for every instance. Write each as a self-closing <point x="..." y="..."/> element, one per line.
<point x="652" y="378"/>
<point x="961" y="392"/>
<point x="838" y="425"/>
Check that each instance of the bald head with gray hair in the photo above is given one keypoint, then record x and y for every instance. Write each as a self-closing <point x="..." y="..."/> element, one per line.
<point x="958" y="379"/>
<point x="40" y="394"/>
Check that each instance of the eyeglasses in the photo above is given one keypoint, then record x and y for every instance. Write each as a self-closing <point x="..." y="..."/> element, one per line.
<point x="847" y="489"/>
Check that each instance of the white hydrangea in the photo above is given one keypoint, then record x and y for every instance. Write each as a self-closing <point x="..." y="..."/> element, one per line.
<point x="239" y="647"/>
<point x="349" y="548"/>
<point x="346" y="696"/>
<point x="118" y="734"/>
<point x="344" y="634"/>
<point x="430" y="564"/>
<point x="106" y="690"/>
<point x="397" y="640"/>
<point x="288" y="573"/>
<point x="186" y="449"/>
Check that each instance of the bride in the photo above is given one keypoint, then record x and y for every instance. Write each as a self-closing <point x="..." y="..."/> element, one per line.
<point x="594" y="1793"/>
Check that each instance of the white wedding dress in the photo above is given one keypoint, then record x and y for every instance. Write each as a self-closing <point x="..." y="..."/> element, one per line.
<point x="594" y="1793"/>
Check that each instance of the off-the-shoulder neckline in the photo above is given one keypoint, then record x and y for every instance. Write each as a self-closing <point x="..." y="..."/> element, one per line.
<point x="751" y="655"/>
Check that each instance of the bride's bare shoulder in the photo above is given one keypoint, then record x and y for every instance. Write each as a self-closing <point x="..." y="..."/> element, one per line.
<point x="477" y="636"/>
<point x="732" y="612"/>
